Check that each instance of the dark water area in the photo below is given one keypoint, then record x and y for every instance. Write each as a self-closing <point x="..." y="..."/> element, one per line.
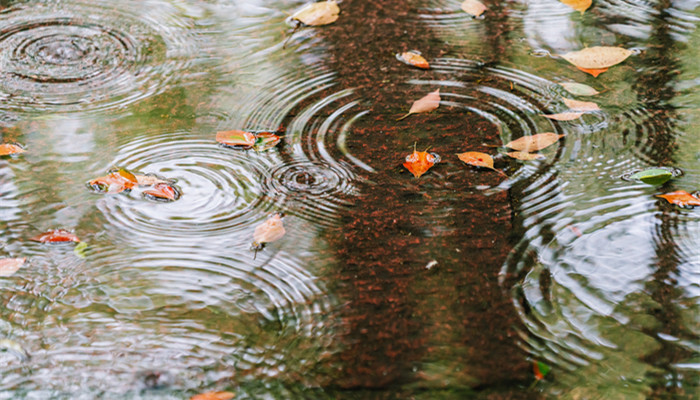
<point x="448" y="286"/>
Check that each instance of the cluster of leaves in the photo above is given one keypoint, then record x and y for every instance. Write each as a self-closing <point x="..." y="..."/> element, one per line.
<point x="238" y="139"/>
<point x="120" y="180"/>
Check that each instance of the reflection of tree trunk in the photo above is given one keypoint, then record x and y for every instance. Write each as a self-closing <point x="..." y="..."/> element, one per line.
<point x="448" y="325"/>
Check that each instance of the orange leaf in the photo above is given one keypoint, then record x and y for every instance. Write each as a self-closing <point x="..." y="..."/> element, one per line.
<point x="56" y="236"/>
<point x="270" y="230"/>
<point x="478" y="159"/>
<point x="578" y="5"/>
<point x="115" y="182"/>
<point x="525" y="156"/>
<point x="9" y="266"/>
<point x="413" y="58"/>
<point x="680" y="198"/>
<point x="8" y="148"/>
<point x="163" y="192"/>
<point x="419" y="162"/>
<point x="534" y="142"/>
<point x="214" y="396"/>
<point x="236" y="138"/>
<point x="266" y="140"/>
<point x="473" y="7"/>
<point x="593" y="71"/>
<point x="565" y="116"/>
<point x="427" y="103"/>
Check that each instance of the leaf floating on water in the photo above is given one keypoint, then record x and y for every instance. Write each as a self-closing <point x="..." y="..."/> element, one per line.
<point x="8" y="266"/>
<point x="653" y="176"/>
<point x="680" y="198"/>
<point x="265" y="141"/>
<point x="270" y="230"/>
<point x="316" y="14"/>
<point x="597" y="57"/>
<point x="525" y="156"/>
<point x="427" y="103"/>
<point x="565" y="116"/>
<point x="117" y="180"/>
<point x="10" y="148"/>
<point x="236" y="138"/>
<point x="579" y="89"/>
<point x="150" y="180"/>
<point x="540" y="370"/>
<point x="593" y="71"/>
<point x="478" y="159"/>
<point x="14" y="348"/>
<point x="214" y="396"/>
<point x="413" y="58"/>
<point x="576" y="105"/>
<point x="419" y="162"/>
<point x="578" y="5"/>
<point x="56" y="236"/>
<point x="473" y="7"/>
<point x="534" y="142"/>
<point x="162" y="192"/>
<point x="80" y="250"/>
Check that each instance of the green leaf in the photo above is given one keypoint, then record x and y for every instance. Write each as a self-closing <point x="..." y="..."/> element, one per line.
<point x="544" y="368"/>
<point x="80" y="249"/>
<point x="579" y="89"/>
<point x="653" y="176"/>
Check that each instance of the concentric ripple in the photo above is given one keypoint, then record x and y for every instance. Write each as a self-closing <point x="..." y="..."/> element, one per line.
<point x="70" y="56"/>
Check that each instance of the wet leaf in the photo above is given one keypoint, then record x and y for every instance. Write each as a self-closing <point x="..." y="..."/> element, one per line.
<point x="534" y="142"/>
<point x="315" y="14"/>
<point x="427" y="103"/>
<point x="473" y="7"/>
<point x="578" y="5"/>
<point x="597" y="57"/>
<point x="576" y="105"/>
<point x="236" y="138"/>
<point x="80" y="249"/>
<point x="150" y="180"/>
<point x="413" y="58"/>
<point x="525" y="156"/>
<point x="579" y="89"/>
<point x="540" y="369"/>
<point x="214" y="396"/>
<point x="565" y="116"/>
<point x="14" y="348"/>
<point x="8" y="266"/>
<point x="115" y="182"/>
<point x="162" y="192"/>
<point x="56" y="236"/>
<point x="9" y="148"/>
<point x="680" y="198"/>
<point x="270" y="230"/>
<point x="265" y="141"/>
<point x="478" y="159"/>
<point x="419" y="162"/>
<point x="593" y="71"/>
<point x="653" y="176"/>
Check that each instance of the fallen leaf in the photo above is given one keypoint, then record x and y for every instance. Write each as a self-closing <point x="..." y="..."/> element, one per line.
<point x="9" y="148"/>
<point x="265" y="141"/>
<point x="427" y="103"/>
<point x="680" y="198"/>
<point x="473" y="7"/>
<point x="478" y="159"/>
<point x="80" y="250"/>
<point x="162" y="192"/>
<point x="9" y="266"/>
<point x="150" y="180"/>
<point x="653" y="176"/>
<point x="534" y="142"/>
<point x="236" y="138"/>
<point x="540" y="370"/>
<point x="270" y="230"/>
<point x="579" y="89"/>
<point x="419" y="162"/>
<point x="576" y="105"/>
<point x="413" y="58"/>
<point x="597" y="57"/>
<point x="578" y="5"/>
<point x="56" y="236"/>
<point x="565" y="116"/>
<point x="14" y="348"/>
<point x="115" y="181"/>
<point x="214" y="396"/>
<point x="593" y="71"/>
<point x="525" y="156"/>
<point x="315" y="14"/>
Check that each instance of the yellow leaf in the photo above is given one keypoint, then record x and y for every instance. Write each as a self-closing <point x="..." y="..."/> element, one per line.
<point x="578" y="5"/>
<point x="315" y="14"/>
<point x="680" y="198"/>
<point x="473" y="7"/>
<point x="9" y="148"/>
<point x="413" y="58"/>
<point x="534" y="142"/>
<point x="478" y="159"/>
<point x="565" y="116"/>
<point x="270" y="230"/>
<point x="598" y="57"/>
<point x="428" y="103"/>
<point x="525" y="156"/>
<point x="576" y="105"/>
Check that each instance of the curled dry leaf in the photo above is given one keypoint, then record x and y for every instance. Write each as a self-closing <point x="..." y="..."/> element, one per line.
<point x="10" y="148"/>
<point x="236" y="138"/>
<point x="214" y="396"/>
<point x="162" y="192"/>
<point x="473" y="7"/>
<point x="579" y="89"/>
<point x="427" y="103"/>
<point x="525" y="156"/>
<point x="576" y="105"/>
<point x="597" y="57"/>
<point x="680" y="198"/>
<point x="9" y="266"/>
<point x="478" y="159"/>
<point x="419" y="162"/>
<point x="578" y="5"/>
<point x="56" y="236"/>
<point x="534" y="142"/>
<point x="270" y="230"/>
<point x="413" y="58"/>
<point x="315" y="14"/>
